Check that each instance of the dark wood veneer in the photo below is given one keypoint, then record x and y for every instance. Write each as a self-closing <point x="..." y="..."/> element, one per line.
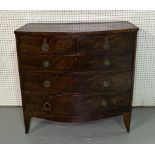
<point x="76" y="105"/>
<point x="107" y="43"/>
<point x="75" y="83"/>
<point x="78" y="63"/>
<point x="76" y="72"/>
<point x="33" y="45"/>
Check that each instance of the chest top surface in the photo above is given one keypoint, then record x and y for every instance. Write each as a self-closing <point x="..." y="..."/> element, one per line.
<point x="122" y="26"/>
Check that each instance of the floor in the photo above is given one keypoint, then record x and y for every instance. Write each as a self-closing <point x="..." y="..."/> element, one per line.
<point x="109" y="130"/>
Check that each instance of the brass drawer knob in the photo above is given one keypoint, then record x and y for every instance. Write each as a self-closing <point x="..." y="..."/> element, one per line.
<point x="106" y="84"/>
<point x="47" y="106"/>
<point x="45" y="46"/>
<point x="104" y="103"/>
<point x="46" y="63"/>
<point x="107" y="62"/>
<point x="47" y="83"/>
<point x="106" y="44"/>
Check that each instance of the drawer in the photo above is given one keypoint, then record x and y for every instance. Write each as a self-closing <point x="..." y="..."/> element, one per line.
<point x="46" y="63"/>
<point x="106" y="43"/>
<point x="45" y="45"/>
<point x="82" y="83"/>
<point x="106" y="62"/>
<point x="86" y="106"/>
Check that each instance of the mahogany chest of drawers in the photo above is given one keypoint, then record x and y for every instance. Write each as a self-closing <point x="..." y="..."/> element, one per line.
<point x="76" y="72"/>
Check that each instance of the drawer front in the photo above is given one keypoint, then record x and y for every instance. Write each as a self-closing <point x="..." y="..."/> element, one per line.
<point x="86" y="106"/>
<point x="51" y="83"/>
<point x="104" y="62"/>
<point x="111" y="43"/>
<point x="46" y="63"/>
<point x="45" y="45"/>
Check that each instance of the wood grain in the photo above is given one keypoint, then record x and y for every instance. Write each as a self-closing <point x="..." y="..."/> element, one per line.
<point x="78" y="63"/>
<point x="76" y="72"/>
<point x="75" y="83"/>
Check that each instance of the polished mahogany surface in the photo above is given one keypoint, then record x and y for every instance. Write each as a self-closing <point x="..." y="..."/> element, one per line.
<point x="76" y="72"/>
<point x="77" y="27"/>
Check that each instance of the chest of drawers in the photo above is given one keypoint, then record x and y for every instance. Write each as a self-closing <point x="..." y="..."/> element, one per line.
<point x="76" y="72"/>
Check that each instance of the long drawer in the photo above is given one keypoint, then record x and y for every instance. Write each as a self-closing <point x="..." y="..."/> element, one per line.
<point x="77" y="83"/>
<point x="81" y="63"/>
<point x="72" y="105"/>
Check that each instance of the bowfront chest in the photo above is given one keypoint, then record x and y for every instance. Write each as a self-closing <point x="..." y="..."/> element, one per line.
<point x="76" y="72"/>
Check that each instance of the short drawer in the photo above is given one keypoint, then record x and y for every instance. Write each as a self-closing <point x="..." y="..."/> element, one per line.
<point x="86" y="106"/>
<point x="85" y="83"/>
<point x="106" y="43"/>
<point x="45" y="45"/>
